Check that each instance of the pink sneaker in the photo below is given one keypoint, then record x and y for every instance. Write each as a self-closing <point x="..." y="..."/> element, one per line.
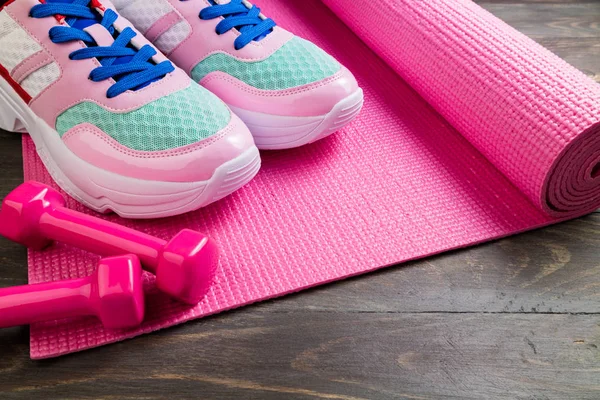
<point x="287" y="90"/>
<point x="116" y="124"/>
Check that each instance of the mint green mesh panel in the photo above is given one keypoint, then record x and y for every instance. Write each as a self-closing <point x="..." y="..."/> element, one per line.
<point x="296" y="63"/>
<point x="176" y="120"/>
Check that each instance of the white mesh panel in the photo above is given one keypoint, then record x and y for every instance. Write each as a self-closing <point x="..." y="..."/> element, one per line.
<point x="121" y="3"/>
<point x="7" y="24"/>
<point x="41" y="79"/>
<point x="143" y="13"/>
<point x="15" y="47"/>
<point x="172" y="37"/>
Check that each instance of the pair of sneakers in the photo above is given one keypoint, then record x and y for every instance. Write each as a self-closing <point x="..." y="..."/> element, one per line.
<point x="121" y="126"/>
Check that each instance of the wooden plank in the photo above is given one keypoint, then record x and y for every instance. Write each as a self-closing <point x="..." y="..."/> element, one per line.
<point x="545" y="19"/>
<point x="323" y="355"/>
<point x="528" y="3"/>
<point x="13" y="258"/>
<point x="11" y="162"/>
<point x="518" y="318"/>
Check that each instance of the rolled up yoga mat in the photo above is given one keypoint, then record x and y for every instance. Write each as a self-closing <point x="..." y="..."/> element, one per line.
<point x="470" y="132"/>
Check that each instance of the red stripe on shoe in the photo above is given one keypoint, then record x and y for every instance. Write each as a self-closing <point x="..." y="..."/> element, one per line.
<point x="20" y="91"/>
<point x="9" y="2"/>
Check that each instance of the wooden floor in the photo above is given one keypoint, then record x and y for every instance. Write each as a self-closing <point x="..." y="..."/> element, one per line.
<point x="518" y="318"/>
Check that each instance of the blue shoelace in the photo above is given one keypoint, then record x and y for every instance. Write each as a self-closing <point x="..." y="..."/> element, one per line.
<point x="236" y="15"/>
<point x="131" y="68"/>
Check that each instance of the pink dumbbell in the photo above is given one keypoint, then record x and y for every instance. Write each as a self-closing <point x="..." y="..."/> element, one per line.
<point x="113" y="293"/>
<point x="35" y="215"/>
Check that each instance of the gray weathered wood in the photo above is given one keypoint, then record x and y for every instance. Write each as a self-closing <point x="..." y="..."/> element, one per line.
<point x="518" y="318"/>
<point x="251" y="354"/>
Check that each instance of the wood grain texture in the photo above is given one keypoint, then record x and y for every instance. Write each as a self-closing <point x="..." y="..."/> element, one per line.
<point x="518" y="318"/>
<point x="261" y="354"/>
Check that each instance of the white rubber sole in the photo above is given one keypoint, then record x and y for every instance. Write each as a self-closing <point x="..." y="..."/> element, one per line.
<point x="276" y="132"/>
<point x="106" y="191"/>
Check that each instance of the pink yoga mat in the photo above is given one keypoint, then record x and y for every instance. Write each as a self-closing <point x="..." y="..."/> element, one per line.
<point x="470" y="132"/>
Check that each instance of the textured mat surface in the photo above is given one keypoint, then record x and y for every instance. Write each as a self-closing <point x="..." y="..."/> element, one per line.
<point x="470" y="132"/>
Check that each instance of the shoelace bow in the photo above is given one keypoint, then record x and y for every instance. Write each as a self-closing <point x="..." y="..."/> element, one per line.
<point x="134" y="68"/>
<point x="236" y="15"/>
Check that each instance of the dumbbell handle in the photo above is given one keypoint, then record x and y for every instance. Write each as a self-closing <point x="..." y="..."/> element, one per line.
<point x="23" y="305"/>
<point x="100" y="236"/>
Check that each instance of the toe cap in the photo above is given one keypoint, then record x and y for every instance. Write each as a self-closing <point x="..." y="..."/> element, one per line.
<point x="314" y="99"/>
<point x="191" y="163"/>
